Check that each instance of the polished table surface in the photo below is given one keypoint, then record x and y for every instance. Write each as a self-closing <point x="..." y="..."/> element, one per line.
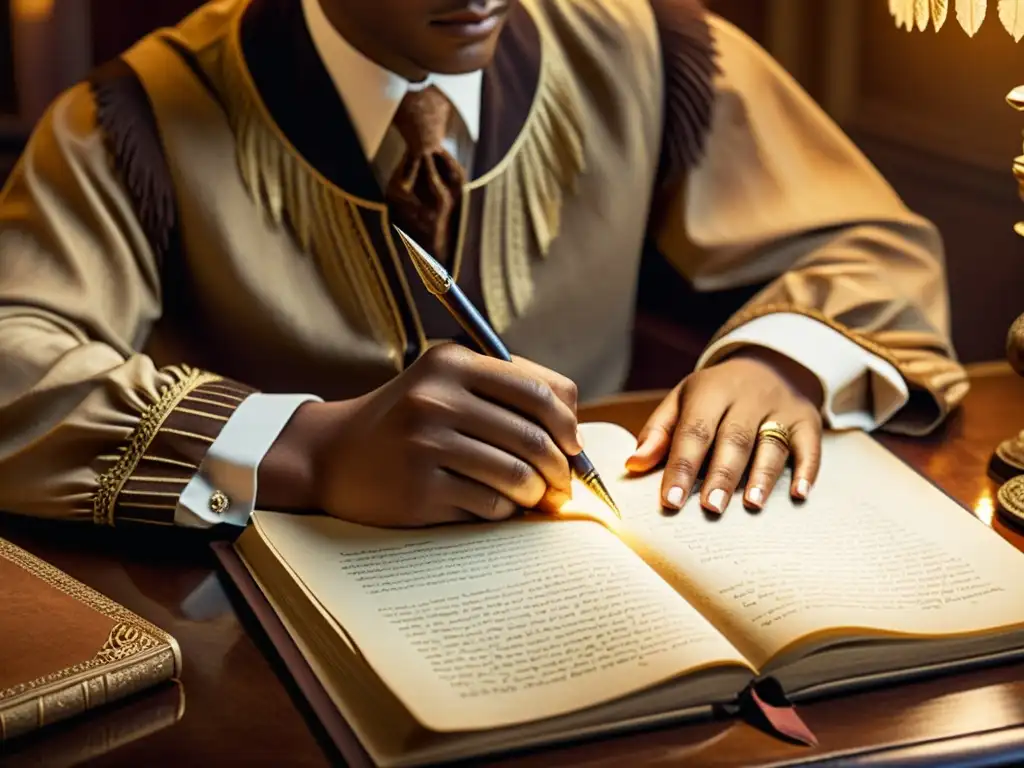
<point x="237" y="708"/>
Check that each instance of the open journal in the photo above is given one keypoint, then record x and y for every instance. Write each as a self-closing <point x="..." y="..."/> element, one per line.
<point x="460" y="641"/>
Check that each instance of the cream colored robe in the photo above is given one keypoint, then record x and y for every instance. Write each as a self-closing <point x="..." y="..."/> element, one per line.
<point x="108" y="402"/>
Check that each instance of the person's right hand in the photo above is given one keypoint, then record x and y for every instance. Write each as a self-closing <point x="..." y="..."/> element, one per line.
<point x="456" y="437"/>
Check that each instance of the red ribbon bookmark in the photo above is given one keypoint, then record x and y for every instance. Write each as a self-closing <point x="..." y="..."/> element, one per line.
<point x="764" y="702"/>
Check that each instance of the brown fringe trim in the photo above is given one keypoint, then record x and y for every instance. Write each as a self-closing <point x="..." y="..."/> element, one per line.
<point x="125" y="116"/>
<point x="689" y="61"/>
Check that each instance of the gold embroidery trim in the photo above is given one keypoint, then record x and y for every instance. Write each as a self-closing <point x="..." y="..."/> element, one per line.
<point x="531" y="183"/>
<point x="171" y="462"/>
<point x="207" y="401"/>
<point x="525" y="192"/>
<point x="210" y="390"/>
<point x="186" y="434"/>
<point x="112" y="481"/>
<point x="150" y="494"/>
<point x="193" y="412"/>
<point x="325" y="220"/>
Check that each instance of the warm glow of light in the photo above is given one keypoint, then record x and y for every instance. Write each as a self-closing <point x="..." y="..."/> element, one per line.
<point x="584" y="505"/>
<point x="985" y="507"/>
<point x="31" y="10"/>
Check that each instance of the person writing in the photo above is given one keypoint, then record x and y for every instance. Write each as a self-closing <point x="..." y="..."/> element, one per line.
<point x="204" y="305"/>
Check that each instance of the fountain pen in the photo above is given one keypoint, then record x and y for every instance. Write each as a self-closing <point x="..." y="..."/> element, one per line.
<point x="437" y="280"/>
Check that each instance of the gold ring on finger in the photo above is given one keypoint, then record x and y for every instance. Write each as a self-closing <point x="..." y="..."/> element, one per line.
<point x="773" y="431"/>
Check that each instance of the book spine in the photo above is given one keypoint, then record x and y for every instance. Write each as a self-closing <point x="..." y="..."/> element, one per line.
<point x="51" y="704"/>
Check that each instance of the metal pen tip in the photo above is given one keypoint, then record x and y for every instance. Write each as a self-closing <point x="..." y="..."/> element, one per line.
<point x="598" y="487"/>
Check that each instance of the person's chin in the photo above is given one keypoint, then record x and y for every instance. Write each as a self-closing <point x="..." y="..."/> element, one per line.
<point x="464" y="48"/>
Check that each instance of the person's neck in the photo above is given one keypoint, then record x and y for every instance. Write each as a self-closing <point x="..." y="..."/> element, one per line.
<point x="361" y="42"/>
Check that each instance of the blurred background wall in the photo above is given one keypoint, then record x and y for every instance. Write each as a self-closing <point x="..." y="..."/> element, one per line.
<point x="928" y="108"/>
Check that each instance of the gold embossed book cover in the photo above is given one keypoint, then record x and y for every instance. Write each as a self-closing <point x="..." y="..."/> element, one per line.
<point x="65" y="648"/>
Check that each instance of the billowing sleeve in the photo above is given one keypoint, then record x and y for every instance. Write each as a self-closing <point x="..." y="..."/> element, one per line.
<point x="779" y="195"/>
<point x="90" y="428"/>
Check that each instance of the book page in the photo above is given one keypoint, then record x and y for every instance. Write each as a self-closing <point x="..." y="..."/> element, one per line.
<point x="479" y="626"/>
<point x="876" y="547"/>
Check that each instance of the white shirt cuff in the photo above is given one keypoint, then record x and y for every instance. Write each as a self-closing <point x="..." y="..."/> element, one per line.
<point x="861" y="390"/>
<point x="224" y="488"/>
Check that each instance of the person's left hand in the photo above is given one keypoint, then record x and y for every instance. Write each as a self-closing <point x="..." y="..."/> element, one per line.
<point x="719" y="409"/>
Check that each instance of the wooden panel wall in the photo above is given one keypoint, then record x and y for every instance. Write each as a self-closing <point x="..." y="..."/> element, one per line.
<point x="928" y="108"/>
<point x="116" y="24"/>
<point x="8" y="97"/>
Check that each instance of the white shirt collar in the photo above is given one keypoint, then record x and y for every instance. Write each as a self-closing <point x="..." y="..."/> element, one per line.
<point x="372" y="94"/>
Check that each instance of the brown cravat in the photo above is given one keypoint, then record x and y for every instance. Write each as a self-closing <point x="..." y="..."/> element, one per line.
<point x="425" y="189"/>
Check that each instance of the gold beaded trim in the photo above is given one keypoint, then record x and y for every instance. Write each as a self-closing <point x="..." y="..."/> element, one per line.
<point x="111" y="482"/>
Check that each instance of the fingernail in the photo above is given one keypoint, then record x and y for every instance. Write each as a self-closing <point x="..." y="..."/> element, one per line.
<point x="579" y="438"/>
<point x="756" y="496"/>
<point x="674" y="497"/>
<point x="716" y="500"/>
<point x="803" y="488"/>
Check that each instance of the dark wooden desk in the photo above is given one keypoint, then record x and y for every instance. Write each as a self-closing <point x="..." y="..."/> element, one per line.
<point x="240" y="711"/>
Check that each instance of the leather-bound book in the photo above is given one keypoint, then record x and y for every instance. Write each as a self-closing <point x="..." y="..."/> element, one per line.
<point x="65" y="648"/>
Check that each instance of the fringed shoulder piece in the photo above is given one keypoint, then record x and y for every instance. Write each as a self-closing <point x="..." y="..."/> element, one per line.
<point x="126" y="119"/>
<point x="689" y="61"/>
<point x="324" y="219"/>
<point x="525" y="194"/>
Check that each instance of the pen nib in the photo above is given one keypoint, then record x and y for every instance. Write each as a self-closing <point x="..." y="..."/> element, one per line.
<point x="597" y="486"/>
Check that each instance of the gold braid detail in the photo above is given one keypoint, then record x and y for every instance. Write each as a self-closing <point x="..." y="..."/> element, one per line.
<point x="111" y="482"/>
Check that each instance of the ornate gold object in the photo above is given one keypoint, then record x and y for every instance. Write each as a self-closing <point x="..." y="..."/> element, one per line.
<point x="125" y="640"/>
<point x="1011" y="500"/>
<point x="1015" y="99"/>
<point x="1015" y="345"/>
<point x="219" y="502"/>
<point x="773" y="431"/>
<point x="1008" y="459"/>
<point x="434" y="276"/>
